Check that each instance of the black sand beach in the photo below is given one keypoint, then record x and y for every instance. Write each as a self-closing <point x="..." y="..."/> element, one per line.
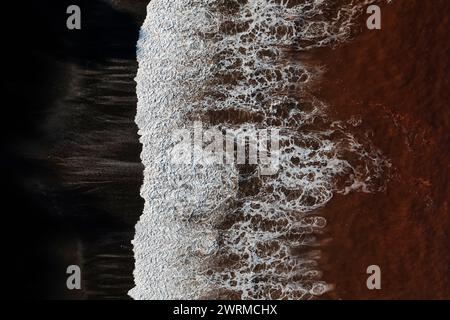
<point x="71" y="155"/>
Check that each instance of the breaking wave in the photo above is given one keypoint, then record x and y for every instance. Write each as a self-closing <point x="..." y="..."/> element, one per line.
<point x="227" y="230"/>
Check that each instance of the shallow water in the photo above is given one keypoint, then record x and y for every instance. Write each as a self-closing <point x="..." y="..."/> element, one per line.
<point x="228" y="228"/>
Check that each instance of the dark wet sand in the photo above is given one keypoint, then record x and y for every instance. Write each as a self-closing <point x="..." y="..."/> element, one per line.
<point x="73" y="171"/>
<point x="397" y="81"/>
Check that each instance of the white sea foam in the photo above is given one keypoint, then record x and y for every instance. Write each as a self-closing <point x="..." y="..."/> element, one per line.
<point x="217" y="228"/>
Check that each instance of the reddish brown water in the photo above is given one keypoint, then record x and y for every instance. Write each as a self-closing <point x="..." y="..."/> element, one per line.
<point x="396" y="80"/>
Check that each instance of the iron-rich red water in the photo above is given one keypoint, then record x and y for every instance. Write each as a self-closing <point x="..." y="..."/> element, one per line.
<point x="397" y="81"/>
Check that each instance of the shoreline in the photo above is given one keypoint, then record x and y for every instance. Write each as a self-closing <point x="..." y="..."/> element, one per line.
<point x="74" y="170"/>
